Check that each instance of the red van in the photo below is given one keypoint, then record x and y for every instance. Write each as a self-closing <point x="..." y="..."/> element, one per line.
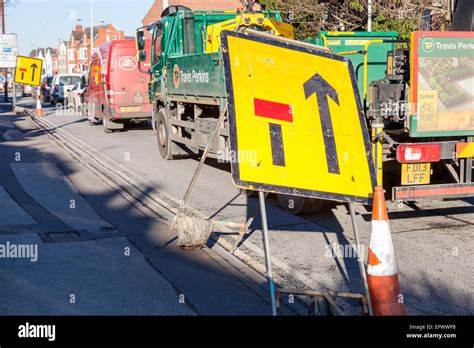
<point x="117" y="91"/>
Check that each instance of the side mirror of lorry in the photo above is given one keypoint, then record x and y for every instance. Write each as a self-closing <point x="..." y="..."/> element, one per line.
<point x="141" y="56"/>
<point x="140" y="39"/>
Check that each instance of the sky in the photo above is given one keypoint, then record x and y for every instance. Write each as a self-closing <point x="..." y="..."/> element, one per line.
<point x="40" y="23"/>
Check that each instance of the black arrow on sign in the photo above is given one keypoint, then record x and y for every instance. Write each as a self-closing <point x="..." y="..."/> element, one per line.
<point x="33" y="68"/>
<point x="319" y="86"/>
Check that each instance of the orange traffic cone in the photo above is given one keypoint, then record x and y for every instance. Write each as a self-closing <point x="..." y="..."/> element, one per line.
<point x="382" y="277"/>
<point x="39" y="109"/>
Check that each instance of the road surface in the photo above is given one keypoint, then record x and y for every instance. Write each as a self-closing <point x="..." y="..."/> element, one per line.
<point x="432" y="239"/>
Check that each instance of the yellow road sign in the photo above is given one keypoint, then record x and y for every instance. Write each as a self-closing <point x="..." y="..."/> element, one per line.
<point x="28" y="70"/>
<point x="296" y="125"/>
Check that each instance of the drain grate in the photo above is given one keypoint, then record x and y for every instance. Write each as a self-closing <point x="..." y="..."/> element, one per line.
<point x="21" y="229"/>
<point x="56" y="237"/>
<point x="74" y="236"/>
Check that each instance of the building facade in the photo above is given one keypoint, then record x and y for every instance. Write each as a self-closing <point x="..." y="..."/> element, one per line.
<point x="62" y="57"/>
<point x="158" y="6"/>
<point x="73" y="55"/>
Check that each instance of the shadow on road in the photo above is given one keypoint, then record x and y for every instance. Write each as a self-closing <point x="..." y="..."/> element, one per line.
<point x="204" y="285"/>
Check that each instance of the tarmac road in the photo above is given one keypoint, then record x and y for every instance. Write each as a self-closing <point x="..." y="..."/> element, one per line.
<point x="432" y="239"/>
<point x="87" y="250"/>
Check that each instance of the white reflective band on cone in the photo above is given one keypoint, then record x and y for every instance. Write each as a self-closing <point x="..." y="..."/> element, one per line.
<point x="382" y="247"/>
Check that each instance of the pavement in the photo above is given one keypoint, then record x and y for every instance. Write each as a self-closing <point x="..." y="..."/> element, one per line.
<point x="71" y="244"/>
<point x="432" y="239"/>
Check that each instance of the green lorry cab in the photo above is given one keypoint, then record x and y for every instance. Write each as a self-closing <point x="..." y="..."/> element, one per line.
<point x="187" y="87"/>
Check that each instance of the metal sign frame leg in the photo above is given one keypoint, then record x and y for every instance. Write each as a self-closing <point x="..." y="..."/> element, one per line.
<point x="360" y="258"/>
<point x="14" y="95"/>
<point x="266" y="245"/>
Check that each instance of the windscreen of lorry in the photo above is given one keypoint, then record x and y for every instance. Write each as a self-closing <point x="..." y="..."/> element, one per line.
<point x="69" y="80"/>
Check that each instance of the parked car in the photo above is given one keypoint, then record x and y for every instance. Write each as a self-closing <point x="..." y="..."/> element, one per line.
<point x="117" y="90"/>
<point x="27" y="91"/>
<point x="45" y="88"/>
<point x="62" y="85"/>
<point x="17" y="87"/>
<point x="74" y="98"/>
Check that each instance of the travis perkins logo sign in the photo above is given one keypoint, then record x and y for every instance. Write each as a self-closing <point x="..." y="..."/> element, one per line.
<point x="192" y="76"/>
<point x="429" y="45"/>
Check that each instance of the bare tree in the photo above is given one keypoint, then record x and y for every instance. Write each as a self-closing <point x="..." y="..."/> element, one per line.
<point x="311" y="16"/>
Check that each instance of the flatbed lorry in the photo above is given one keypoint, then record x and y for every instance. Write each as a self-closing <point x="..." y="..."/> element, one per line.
<point x="413" y="159"/>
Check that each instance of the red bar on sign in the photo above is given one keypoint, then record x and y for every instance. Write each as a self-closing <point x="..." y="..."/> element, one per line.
<point x="273" y="110"/>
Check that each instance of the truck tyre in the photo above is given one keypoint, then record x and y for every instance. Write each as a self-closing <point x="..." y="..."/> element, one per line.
<point x="299" y="205"/>
<point x="163" y="135"/>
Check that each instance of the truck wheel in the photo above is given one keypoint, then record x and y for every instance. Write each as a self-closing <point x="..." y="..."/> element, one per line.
<point x="299" y="205"/>
<point x="162" y="135"/>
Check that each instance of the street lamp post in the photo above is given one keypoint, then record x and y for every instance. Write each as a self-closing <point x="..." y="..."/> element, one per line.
<point x="369" y="15"/>
<point x="92" y="31"/>
<point x="67" y="57"/>
<point x="5" y="72"/>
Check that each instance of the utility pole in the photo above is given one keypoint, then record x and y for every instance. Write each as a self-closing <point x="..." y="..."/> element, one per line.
<point x="5" y="72"/>
<point x="67" y="56"/>
<point x="369" y="15"/>
<point x="92" y="32"/>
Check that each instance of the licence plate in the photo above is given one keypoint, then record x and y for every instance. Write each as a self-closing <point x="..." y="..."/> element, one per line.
<point x="416" y="173"/>
<point x="130" y="109"/>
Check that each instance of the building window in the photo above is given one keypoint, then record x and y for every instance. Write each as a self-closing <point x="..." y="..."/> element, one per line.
<point x="71" y="54"/>
<point x="83" y="53"/>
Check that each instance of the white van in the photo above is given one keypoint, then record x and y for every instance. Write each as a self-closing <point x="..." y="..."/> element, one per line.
<point x="62" y="85"/>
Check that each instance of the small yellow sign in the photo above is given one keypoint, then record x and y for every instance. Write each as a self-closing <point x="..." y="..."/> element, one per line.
<point x="296" y="125"/>
<point x="28" y="70"/>
<point x="428" y="109"/>
<point x="356" y="42"/>
<point x="333" y="42"/>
